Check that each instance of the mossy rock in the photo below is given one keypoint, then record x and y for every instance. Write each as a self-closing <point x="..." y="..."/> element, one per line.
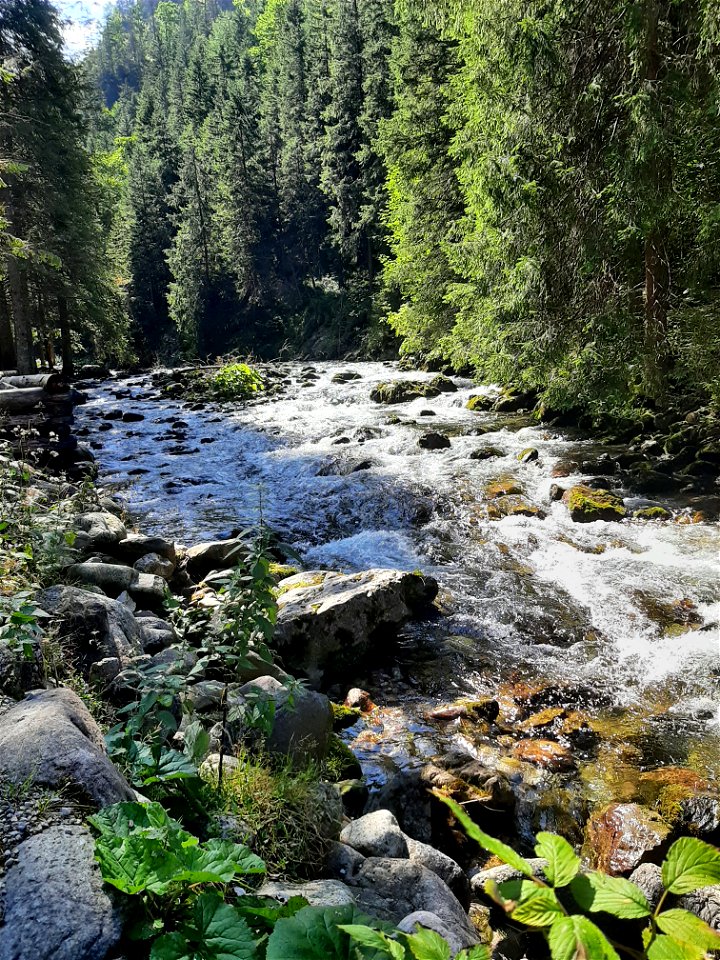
<point x="652" y="513"/>
<point x="529" y="455"/>
<point x="587" y="505"/>
<point x="281" y="571"/>
<point x="341" y="762"/>
<point x="344" y="717"/>
<point x="480" y="402"/>
<point x="403" y="391"/>
<point x="503" y="487"/>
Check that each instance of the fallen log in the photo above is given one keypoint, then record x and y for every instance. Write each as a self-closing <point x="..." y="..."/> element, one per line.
<point x="50" y="382"/>
<point x="20" y="400"/>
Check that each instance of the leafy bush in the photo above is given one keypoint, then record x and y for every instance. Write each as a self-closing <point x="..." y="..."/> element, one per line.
<point x="557" y="906"/>
<point x="236" y="381"/>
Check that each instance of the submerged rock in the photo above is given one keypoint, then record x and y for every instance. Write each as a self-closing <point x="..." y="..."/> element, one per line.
<point x="434" y="441"/>
<point x="327" y="627"/>
<point x="546" y="754"/>
<point x="621" y="836"/>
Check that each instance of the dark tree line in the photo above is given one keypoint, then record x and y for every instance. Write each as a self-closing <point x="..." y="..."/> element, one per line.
<point x="528" y="189"/>
<point x="54" y="289"/>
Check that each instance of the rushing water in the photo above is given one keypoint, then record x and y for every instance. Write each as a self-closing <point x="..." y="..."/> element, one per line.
<point x="344" y="480"/>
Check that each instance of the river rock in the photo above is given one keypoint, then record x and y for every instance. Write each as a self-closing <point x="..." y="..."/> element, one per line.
<point x="50" y="739"/>
<point x="154" y="564"/>
<point x="403" y="391"/>
<point x="96" y="626"/>
<point x="431" y="921"/>
<point x="98" y="531"/>
<point x="378" y="834"/>
<point x="648" y="876"/>
<point x="318" y="893"/>
<point x="391" y="889"/>
<point x="546" y="754"/>
<point x="156" y="634"/>
<point x="56" y="907"/>
<point x="587" y="505"/>
<point x="214" y="555"/>
<point x="114" y="579"/>
<point x="302" y="723"/>
<point x="621" y="836"/>
<point x="136" y="545"/>
<point x="434" y="441"/>
<point x="324" y="630"/>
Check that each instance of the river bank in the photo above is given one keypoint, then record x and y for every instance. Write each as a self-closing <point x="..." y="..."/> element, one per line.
<point x="503" y="697"/>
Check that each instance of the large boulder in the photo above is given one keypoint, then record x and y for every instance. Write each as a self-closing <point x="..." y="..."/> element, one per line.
<point x="49" y="739"/>
<point x="621" y="836"/>
<point x="391" y="889"/>
<point x="96" y="626"/>
<point x="329" y="623"/>
<point x="98" y="531"/>
<point x="302" y="722"/>
<point x="115" y="580"/>
<point x="378" y="834"/>
<point x="56" y="907"/>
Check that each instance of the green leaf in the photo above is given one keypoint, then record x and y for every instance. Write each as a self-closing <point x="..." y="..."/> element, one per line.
<point x="221" y="930"/>
<point x="573" y="937"/>
<point x="172" y="765"/>
<point x="496" y="847"/>
<point x="690" y="865"/>
<point x="172" y="946"/>
<point x="596" y="892"/>
<point x="215" y="931"/>
<point x="685" y="927"/>
<point x="376" y="940"/>
<point x="218" y="861"/>
<point x="428" y="945"/>
<point x="563" y="862"/>
<point x="136" y="864"/>
<point x="474" y="953"/>
<point x="314" y="934"/>
<point x="529" y="903"/>
<point x="665" y="948"/>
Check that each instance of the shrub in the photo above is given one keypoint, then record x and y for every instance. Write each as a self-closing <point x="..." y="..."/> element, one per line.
<point x="236" y="381"/>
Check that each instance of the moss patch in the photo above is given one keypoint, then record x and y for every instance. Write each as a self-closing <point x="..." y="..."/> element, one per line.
<point x="587" y="505"/>
<point x="652" y="513"/>
<point x="480" y="402"/>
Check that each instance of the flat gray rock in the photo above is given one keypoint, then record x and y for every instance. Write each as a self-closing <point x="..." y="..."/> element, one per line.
<point x="55" y="906"/>
<point x="328" y="623"/>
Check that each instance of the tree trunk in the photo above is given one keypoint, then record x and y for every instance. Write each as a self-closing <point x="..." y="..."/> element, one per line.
<point x="7" y="342"/>
<point x="657" y="268"/>
<point x="17" y="282"/>
<point x="68" y="365"/>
